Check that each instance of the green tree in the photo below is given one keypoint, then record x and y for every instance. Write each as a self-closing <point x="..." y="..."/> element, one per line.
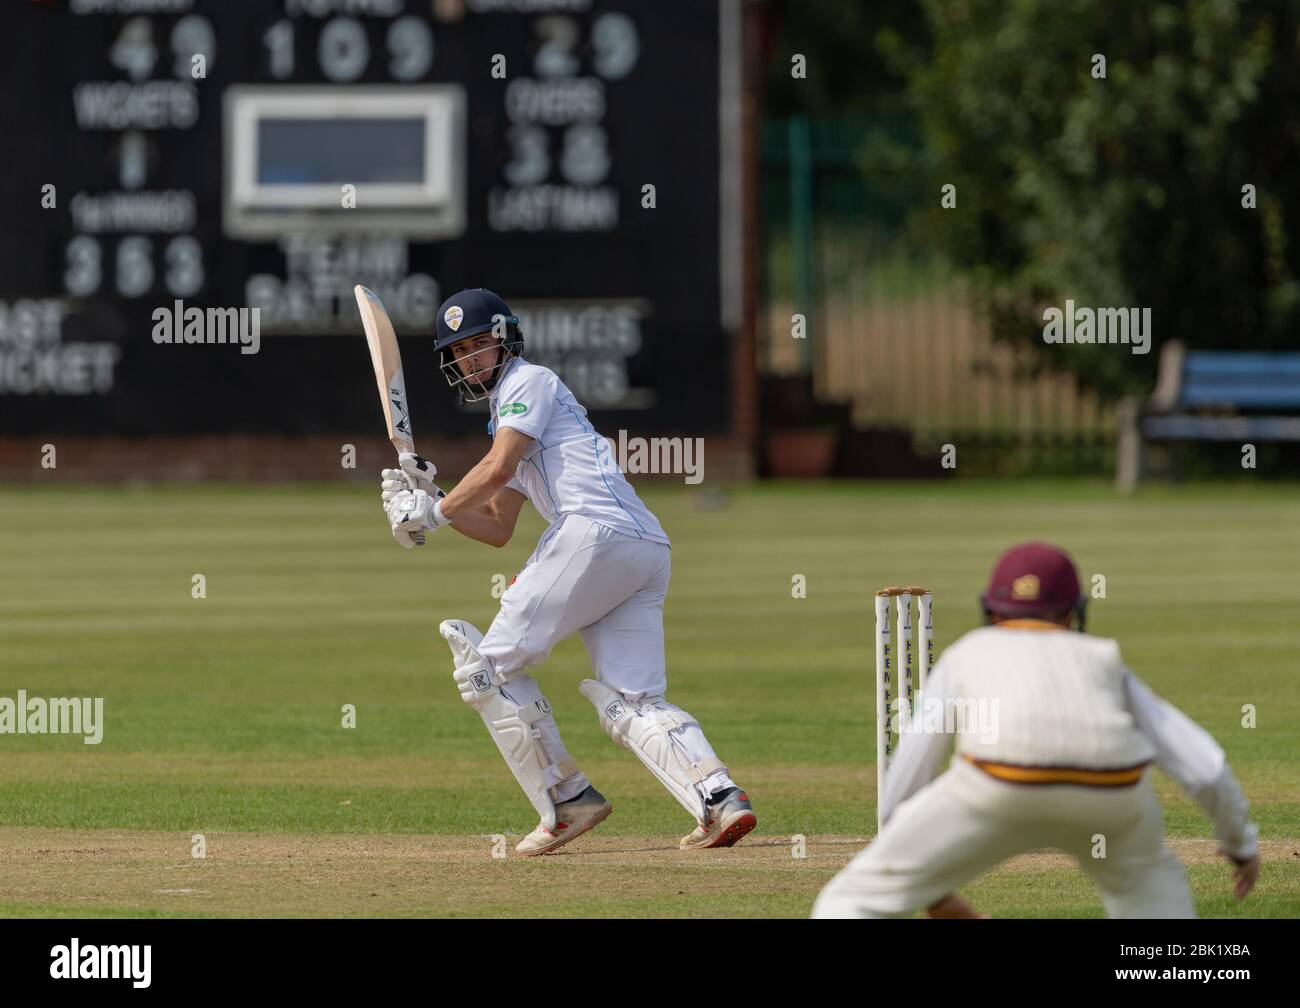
<point x="1122" y="191"/>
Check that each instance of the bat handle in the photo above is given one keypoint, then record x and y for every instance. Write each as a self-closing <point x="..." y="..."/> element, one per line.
<point x="407" y="446"/>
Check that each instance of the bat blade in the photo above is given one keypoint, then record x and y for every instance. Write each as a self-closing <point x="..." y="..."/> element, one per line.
<point x="387" y="361"/>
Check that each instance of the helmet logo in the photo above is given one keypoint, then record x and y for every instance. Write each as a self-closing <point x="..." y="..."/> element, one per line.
<point x="1025" y="588"/>
<point x="453" y="316"/>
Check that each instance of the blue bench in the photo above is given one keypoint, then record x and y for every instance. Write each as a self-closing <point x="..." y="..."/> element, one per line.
<point x="1211" y="395"/>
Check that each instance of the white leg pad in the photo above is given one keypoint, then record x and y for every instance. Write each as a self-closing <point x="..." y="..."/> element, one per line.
<point x="645" y="730"/>
<point x="510" y="725"/>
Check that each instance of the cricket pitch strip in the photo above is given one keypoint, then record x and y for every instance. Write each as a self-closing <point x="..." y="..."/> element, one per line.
<point x="130" y="873"/>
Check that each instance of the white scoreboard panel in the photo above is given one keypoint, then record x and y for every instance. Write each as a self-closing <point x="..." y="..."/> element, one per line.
<point x="290" y="152"/>
<point x="274" y="153"/>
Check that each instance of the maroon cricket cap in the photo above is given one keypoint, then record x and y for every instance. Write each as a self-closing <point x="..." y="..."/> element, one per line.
<point x="1032" y="579"/>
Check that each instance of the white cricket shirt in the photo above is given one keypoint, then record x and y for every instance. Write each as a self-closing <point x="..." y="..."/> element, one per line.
<point x="570" y="468"/>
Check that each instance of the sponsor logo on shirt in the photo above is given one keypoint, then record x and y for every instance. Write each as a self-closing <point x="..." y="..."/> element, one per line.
<point x="513" y="409"/>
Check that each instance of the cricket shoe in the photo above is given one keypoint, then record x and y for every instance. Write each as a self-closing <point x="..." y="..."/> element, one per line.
<point x="730" y="818"/>
<point x="572" y="819"/>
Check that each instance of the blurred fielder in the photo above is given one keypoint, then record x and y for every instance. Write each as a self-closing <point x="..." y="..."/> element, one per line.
<point x="601" y="570"/>
<point x="1068" y="767"/>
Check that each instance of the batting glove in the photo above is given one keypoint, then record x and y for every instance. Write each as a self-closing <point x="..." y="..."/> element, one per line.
<point x="419" y="471"/>
<point x="395" y="481"/>
<point x="412" y="513"/>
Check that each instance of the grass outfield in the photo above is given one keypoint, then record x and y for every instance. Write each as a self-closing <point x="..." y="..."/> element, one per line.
<point x="223" y="714"/>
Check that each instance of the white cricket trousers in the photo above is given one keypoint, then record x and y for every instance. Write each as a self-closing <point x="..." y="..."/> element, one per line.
<point x="587" y="578"/>
<point x="966" y="822"/>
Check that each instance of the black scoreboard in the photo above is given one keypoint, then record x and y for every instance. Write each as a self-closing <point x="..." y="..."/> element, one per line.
<point x="577" y="156"/>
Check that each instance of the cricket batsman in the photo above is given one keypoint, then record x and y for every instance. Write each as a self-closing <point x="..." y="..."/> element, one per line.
<point x="1068" y="767"/>
<point x="601" y="570"/>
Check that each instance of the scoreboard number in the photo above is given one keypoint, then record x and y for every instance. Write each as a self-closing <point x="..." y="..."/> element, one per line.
<point x="279" y="40"/>
<point x="193" y="36"/>
<point x="84" y="269"/>
<point x="134" y="269"/>
<point x="614" y="43"/>
<point x="134" y="52"/>
<point x="559" y="38"/>
<point x="531" y="162"/>
<point x="134" y="266"/>
<point x="183" y="261"/>
<point x="614" y="39"/>
<point x="585" y="160"/>
<point x="410" y="45"/>
<point x="343" y="49"/>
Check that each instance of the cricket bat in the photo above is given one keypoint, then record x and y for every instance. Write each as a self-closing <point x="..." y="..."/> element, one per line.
<point x="387" y="359"/>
